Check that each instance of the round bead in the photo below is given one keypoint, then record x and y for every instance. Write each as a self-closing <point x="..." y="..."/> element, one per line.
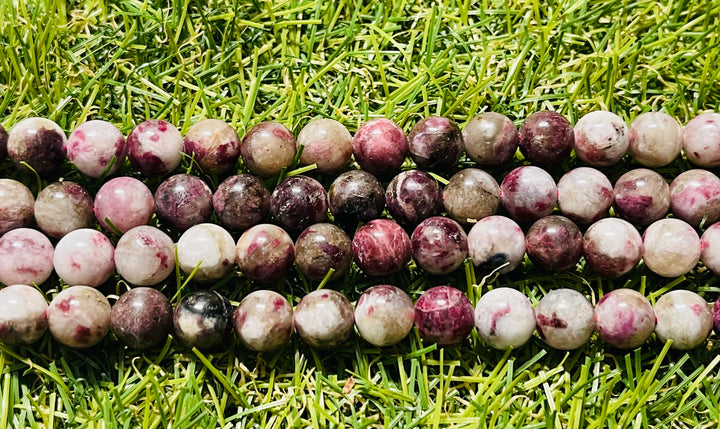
<point x="326" y="143"/>
<point x="444" y="315"/>
<point x="145" y="256"/>
<point x="710" y="248"/>
<point x="701" y="140"/>
<point x="683" y="317"/>
<point x="565" y="319"/>
<point x="384" y="315"/>
<point x="413" y="196"/>
<point x="601" y="138"/>
<point x="642" y="196"/>
<point x="624" y="318"/>
<point x="62" y="207"/>
<point x="23" y="314"/>
<point x="671" y="247"/>
<point x="298" y="202"/>
<point x="79" y="316"/>
<point x="202" y="319"/>
<point x="155" y="147"/>
<point x="324" y="318"/>
<point x="39" y="142"/>
<point x="263" y="321"/>
<point x="495" y="241"/>
<point x="554" y="243"/>
<point x="490" y="139"/>
<point x="3" y="143"/>
<point x="264" y="253"/>
<point x="27" y="257"/>
<point x="84" y="257"/>
<point x="142" y="318"/>
<point x="694" y="197"/>
<point x="655" y="139"/>
<point x="504" y="318"/>
<point x="381" y="247"/>
<point x="267" y="148"/>
<point x="356" y="196"/>
<point x="16" y="205"/>
<point x="470" y="195"/>
<point x="546" y="138"/>
<point x="439" y="245"/>
<point x="124" y="201"/>
<point x="716" y="315"/>
<point x="322" y="247"/>
<point x="241" y="201"/>
<point x="612" y="247"/>
<point x="584" y="194"/>
<point x="183" y="200"/>
<point x="435" y="143"/>
<point x="380" y="146"/>
<point x="94" y="145"/>
<point x="528" y="193"/>
<point x="214" y="145"/>
<point x="207" y="247"/>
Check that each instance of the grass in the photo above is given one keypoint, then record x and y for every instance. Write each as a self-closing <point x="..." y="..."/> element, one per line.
<point x="291" y="61"/>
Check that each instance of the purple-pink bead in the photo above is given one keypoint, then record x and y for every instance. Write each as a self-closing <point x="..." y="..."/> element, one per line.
<point x="612" y="247"/>
<point x="125" y="201"/>
<point x="671" y="247"/>
<point x="264" y="253"/>
<point x="470" y="195"/>
<point x="584" y="194"/>
<point x="380" y="146"/>
<point x="94" y="145"/>
<point x="241" y="201"/>
<point x="439" y="245"/>
<point x="601" y="138"/>
<point x="183" y="200"/>
<point x="546" y="138"/>
<point x="84" y="257"/>
<point x="298" y="202"/>
<point x="214" y="145"/>
<point x="554" y="243"/>
<point x="444" y="316"/>
<point x="142" y="318"/>
<point x="701" y="140"/>
<point x="494" y="242"/>
<point x="490" y="139"/>
<point x="144" y="256"/>
<point x="624" y="318"/>
<point x="326" y="143"/>
<point x="655" y="139"/>
<point x="528" y="193"/>
<point x="642" y="196"/>
<point x="435" y="143"/>
<point x="155" y="147"/>
<point x="413" y="196"/>
<point x="17" y="205"/>
<point x="27" y="257"/>
<point x="62" y="207"/>
<point x="381" y="247"/>
<point x="694" y="197"/>
<point x="267" y="148"/>
<point x="39" y="142"/>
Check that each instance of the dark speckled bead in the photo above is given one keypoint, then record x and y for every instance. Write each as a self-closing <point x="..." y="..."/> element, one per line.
<point x="39" y="142"/>
<point x="356" y="196"/>
<point x="142" y="318"/>
<point x="413" y="196"/>
<point x="439" y="245"/>
<point x="3" y="143"/>
<point x="554" y="243"/>
<point x="183" y="200"/>
<point x="321" y="247"/>
<point x="546" y="138"/>
<point x="202" y="319"/>
<point x="490" y="139"/>
<point x="444" y="315"/>
<point x="241" y="201"/>
<point x="435" y="143"/>
<point x="470" y="195"/>
<point x="381" y="247"/>
<point x="298" y="202"/>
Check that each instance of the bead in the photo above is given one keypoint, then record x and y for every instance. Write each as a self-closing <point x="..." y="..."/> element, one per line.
<point x="642" y="196"/>
<point x="546" y="138"/>
<point x="27" y="257"/>
<point x="612" y="247"/>
<point x="202" y="319"/>
<point x="23" y="314"/>
<point x="241" y="201"/>
<point x="264" y="253"/>
<point x="324" y="319"/>
<point x="701" y="140"/>
<point x="79" y="316"/>
<point x="694" y="197"/>
<point x="39" y="142"/>
<point x="439" y="245"/>
<point x="62" y="207"/>
<point x="413" y="196"/>
<point x="444" y="316"/>
<point x="145" y="256"/>
<point x="327" y="144"/>
<point x="94" y="145"/>
<point x="267" y="148"/>
<point x="554" y="243"/>
<point x="207" y="247"/>
<point x="601" y="138"/>
<point x="263" y="321"/>
<point x="384" y="315"/>
<point x="356" y="196"/>
<point x="490" y="139"/>
<point x="528" y="193"/>
<point x="495" y="241"/>
<point x="214" y="145"/>
<point x="671" y="247"/>
<point x="710" y="248"/>
<point x="565" y="319"/>
<point x="84" y="257"/>
<point x="624" y="318"/>
<point x="504" y="318"/>
<point x="584" y="195"/>
<point x="683" y="317"/>
<point x="381" y="248"/>
<point x="16" y="205"/>
<point x="435" y="143"/>
<point x="380" y="147"/>
<point x="125" y="202"/>
<point x="155" y="147"/>
<point x="322" y="247"/>
<point x="298" y="202"/>
<point x="470" y="195"/>
<point x="142" y="318"/>
<point x="655" y="139"/>
<point x="183" y="200"/>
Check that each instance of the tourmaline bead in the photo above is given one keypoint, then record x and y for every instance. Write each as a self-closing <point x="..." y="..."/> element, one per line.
<point x="380" y="147"/>
<point x="435" y="143"/>
<point x="546" y="138"/>
<point x="145" y="256"/>
<point x="565" y="319"/>
<point x="495" y="241"/>
<point x="84" y="257"/>
<point x="62" y="207"/>
<point x="263" y="321"/>
<point x="694" y="197"/>
<point x="444" y="316"/>
<point x="584" y="194"/>
<point x="93" y="145"/>
<point x="671" y="247"/>
<point x="716" y="315"/>
<point x="356" y="196"/>
<point x="126" y="202"/>
<point x="214" y="145"/>
<point x="601" y="138"/>
<point x="528" y="193"/>
<point x="3" y="143"/>
<point x="267" y="148"/>
<point x="142" y="318"/>
<point x="79" y="317"/>
<point x="655" y="139"/>
<point x="241" y="201"/>
<point x="642" y="196"/>
<point x="683" y="317"/>
<point x="504" y="318"/>
<point x="624" y="318"/>
<point x="298" y="202"/>
<point x="324" y="318"/>
<point x="413" y="196"/>
<point x="384" y="315"/>
<point x="381" y="247"/>
<point x="322" y="247"/>
<point x="710" y="248"/>
<point x="701" y="140"/>
<point x="439" y="245"/>
<point x="155" y="147"/>
<point x="207" y="247"/>
<point x="183" y="200"/>
<point x="202" y="319"/>
<point x="16" y="205"/>
<point x="490" y="139"/>
<point x="27" y="257"/>
<point x="554" y="243"/>
<point x="612" y="247"/>
<point x="326" y="143"/>
<point x="470" y="195"/>
<point x="39" y="142"/>
<point x="23" y="314"/>
<point x="264" y="253"/>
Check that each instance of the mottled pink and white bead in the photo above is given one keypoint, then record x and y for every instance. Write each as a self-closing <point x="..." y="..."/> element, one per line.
<point x="683" y="317"/>
<point x="267" y="148"/>
<point x="384" y="315"/>
<point x="612" y="247"/>
<point x="92" y="147"/>
<point x="701" y="140"/>
<point x="380" y="146"/>
<point x="324" y="318"/>
<point x="79" y="317"/>
<point x="207" y="247"/>
<point x="528" y="193"/>
<point x="263" y="321"/>
<point x="264" y="253"/>
<point x="710" y="248"/>
<point x="565" y="319"/>
<point x="27" y="257"/>
<point x="84" y="257"/>
<point x="435" y="143"/>
<point x="155" y="147"/>
<point x="490" y="139"/>
<point x="601" y="138"/>
<point x="671" y="247"/>
<point x="381" y="247"/>
<point x="444" y="316"/>
<point x="126" y="202"/>
<point x="642" y="196"/>
<point x="495" y="241"/>
<point x="504" y="318"/>
<point x="214" y="145"/>
<point x="144" y="256"/>
<point x="39" y="142"/>
<point x="470" y="195"/>
<point x="624" y="318"/>
<point x="326" y="143"/>
<point x="439" y="245"/>
<point x="694" y="197"/>
<point x="23" y="314"/>
<point x="655" y="139"/>
<point x="17" y="205"/>
<point x="584" y="194"/>
<point x="62" y="207"/>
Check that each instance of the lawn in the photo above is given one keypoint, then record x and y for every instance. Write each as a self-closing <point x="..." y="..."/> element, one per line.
<point x="244" y="62"/>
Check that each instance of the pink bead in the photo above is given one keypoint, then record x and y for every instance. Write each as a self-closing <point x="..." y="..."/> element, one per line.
<point x="84" y="257"/>
<point x="27" y="257"/>
<point x="125" y="201"/>
<point x="93" y="145"/>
